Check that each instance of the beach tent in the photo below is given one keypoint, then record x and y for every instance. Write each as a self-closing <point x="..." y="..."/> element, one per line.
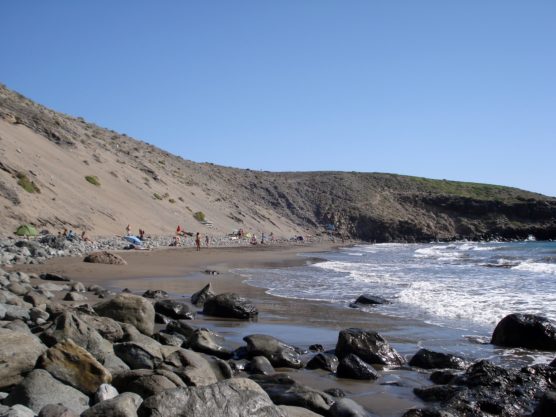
<point x="133" y="239"/>
<point x="26" y="230"/>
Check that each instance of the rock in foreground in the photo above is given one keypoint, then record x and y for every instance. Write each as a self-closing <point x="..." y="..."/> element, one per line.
<point x="368" y="345"/>
<point x="235" y="397"/>
<point x="229" y="305"/>
<point x="526" y="331"/>
<point x="131" y="309"/>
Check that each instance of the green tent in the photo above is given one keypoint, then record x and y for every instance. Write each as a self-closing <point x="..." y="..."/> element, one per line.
<point x="26" y="230"/>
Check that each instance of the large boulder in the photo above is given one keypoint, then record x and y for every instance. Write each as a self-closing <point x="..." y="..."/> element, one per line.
<point x="69" y="326"/>
<point x="75" y="366"/>
<point x="368" y="345"/>
<point x="279" y="353"/>
<point x="351" y="366"/>
<point x="138" y="355"/>
<point x="124" y="405"/>
<point x="19" y="352"/>
<point x="237" y="397"/>
<point x="283" y="390"/>
<point x="57" y="410"/>
<point x="104" y="258"/>
<point x="427" y="359"/>
<point x="525" y="331"/>
<point x="202" y="295"/>
<point x="129" y="308"/>
<point x="259" y="365"/>
<point x="229" y="305"/>
<point x="346" y="407"/>
<point x="39" y="388"/>
<point x="174" y="309"/>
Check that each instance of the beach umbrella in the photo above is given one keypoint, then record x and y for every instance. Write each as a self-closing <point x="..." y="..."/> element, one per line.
<point x="26" y="230"/>
<point x="133" y="239"/>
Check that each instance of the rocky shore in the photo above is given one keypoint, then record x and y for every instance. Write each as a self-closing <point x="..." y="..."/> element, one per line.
<point x="67" y="349"/>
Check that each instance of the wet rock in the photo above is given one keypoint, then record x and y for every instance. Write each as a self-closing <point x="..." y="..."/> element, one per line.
<point x="419" y="412"/>
<point x="243" y="398"/>
<point x="279" y="353"/>
<point x="442" y="377"/>
<point x="161" y="319"/>
<point x="53" y="277"/>
<point x="129" y="308"/>
<point x="437" y="392"/>
<point x="19" y="352"/>
<point x="206" y="341"/>
<point x="526" y="331"/>
<point x="105" y="392"/>
<point x="202" y="295"/>
<point x="174" y="309"/>
<point x="428" y="359"/>
<point x="346" y="407"/>
<point x="353" y="367"/>
<point x="229" y="305"/>
<point x="181" y="327"/>
<point x="73" y="365"/>
<point x="369" y="299"/>
<point x="39" y="388"/>
<point x="145" y="382"/>
<point x="124" y="405"/>
<point x="283" y="390"/>
<point x="57" y="410"/>
<point x="74" y="296"/>
<point x="259" y="365"/>
<point x="316" y="348"/>
<point x="327" y="361"/>
<point x="368" y="345"/>
<point x="155" y="294"/>
<point x="547" y="405"/>
<point x="104" y="258"/>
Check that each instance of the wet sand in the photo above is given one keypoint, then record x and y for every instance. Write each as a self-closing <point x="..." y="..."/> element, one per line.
<point x="181" y="272"/>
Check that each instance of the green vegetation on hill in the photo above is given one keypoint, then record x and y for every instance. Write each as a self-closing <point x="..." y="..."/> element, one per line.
<point x="93" y="180"/>
<point x="25" y="183"/>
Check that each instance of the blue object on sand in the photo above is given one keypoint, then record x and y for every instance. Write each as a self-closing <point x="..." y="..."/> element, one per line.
<point x="133" y="239"/>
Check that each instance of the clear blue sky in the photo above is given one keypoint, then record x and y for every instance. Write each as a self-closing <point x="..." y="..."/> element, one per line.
<point x="462" y="90"/>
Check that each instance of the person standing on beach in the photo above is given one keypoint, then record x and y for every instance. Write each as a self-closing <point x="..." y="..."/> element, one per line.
<point x="128" y="230"/>
<point x="207" y="241"/>
<point x="198" y="241"/>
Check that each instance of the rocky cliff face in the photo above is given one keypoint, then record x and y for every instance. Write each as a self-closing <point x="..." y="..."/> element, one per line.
<point x="60" y="171"/>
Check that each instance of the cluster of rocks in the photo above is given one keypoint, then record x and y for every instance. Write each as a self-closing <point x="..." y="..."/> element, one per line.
<point x="38" y="250"/>
<point x="106" y="354"/>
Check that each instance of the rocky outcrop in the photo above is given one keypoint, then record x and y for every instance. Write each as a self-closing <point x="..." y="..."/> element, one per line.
<point x="367" y="345"/>
<point x="243" y="398"/>
<point x="19" y="352"/>
<point x="279" y="353"/>
<point x="229" y="305"/>
<point x="129" y="308"/>
<point x="104" y="257"/>
<point x="526" y="331"/>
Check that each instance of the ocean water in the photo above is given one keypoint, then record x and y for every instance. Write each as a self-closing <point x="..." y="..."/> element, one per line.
<point x="464" y="288"/>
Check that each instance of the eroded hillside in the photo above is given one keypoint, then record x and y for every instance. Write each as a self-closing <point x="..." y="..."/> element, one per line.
<point x="60" y="171"/>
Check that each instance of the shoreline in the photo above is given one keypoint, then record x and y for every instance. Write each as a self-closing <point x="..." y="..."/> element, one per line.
<point x="180" y="272"/>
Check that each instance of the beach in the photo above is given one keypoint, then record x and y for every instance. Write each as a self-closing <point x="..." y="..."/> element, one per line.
<point x="301" y="323"/>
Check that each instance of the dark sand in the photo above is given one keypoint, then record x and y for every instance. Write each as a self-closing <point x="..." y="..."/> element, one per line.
<point x="298" y="322"/>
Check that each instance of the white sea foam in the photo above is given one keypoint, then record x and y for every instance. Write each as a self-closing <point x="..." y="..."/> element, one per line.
<point x="539" y="267"/>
